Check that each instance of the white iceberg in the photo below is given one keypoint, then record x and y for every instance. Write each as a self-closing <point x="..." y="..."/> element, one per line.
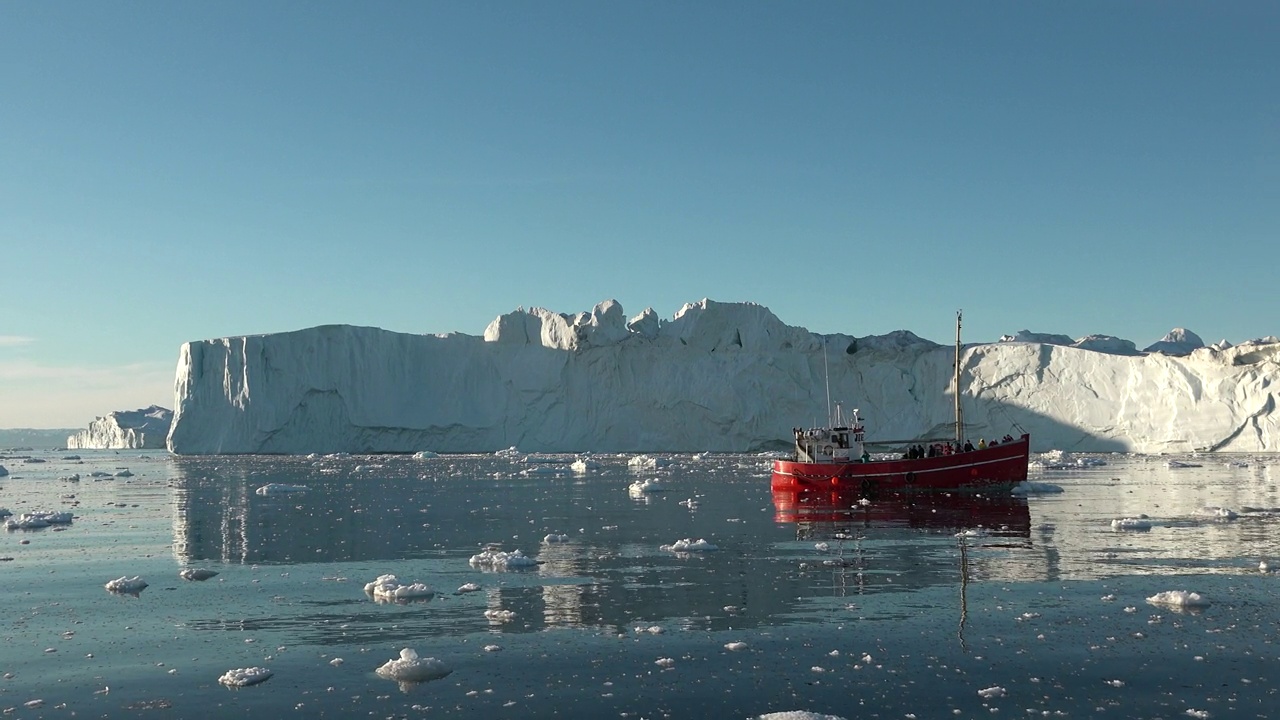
<point x="1179" y="598"/>
<point x="493" y="559"/>
<point x="690" y="545"/>
<point x="1129" y="523"/>
<point x="196" y="574"/>
<point x="242" y="677"/>
<point x="131" y="585"/>
<point x="640" y="488"/>
<point x="411" y="668"/>
<point x="389" y="589"/>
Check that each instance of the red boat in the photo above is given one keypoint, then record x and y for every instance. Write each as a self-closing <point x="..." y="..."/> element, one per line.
<point x="836" y="457"/>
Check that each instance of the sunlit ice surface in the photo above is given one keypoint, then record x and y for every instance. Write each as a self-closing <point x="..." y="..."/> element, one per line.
<point x="923" y="606"/>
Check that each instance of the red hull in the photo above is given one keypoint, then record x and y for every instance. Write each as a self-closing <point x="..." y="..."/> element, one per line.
<point x="999" y="467"/>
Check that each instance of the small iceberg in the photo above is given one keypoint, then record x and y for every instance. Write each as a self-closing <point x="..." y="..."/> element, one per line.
<point x="1218" y="513"/>
<point x="243" y="677"/>
<point x="127" y="585"/>
<point x="640" y="488"/>
<point x="492" y="559"/>
<point x="196" y="574"/>
<point x="388" y="589"/>
<point x="647" y="462"/>
<point x="409" y="668"/>
<point x="556" y="538"/>
<point x="1139" y="523"/>
<point x="1179" y="598"/>
<point x="583" y="466"/>
<point x="994" y="691"/>
<point x="280" y="489"/>
<point x="690" y="545"/>
<point x="425" y="455"/>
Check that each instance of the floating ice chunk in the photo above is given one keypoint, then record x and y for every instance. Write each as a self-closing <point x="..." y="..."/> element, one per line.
<point x="26" y="522"/>
<point x="994" y="691"/>
<point x="972" y="532"/>
<point x="583" y="466"/>
<point x="335" y="662"/>
<point x="123" y="473"/>
<point x="665" y="662"/>
<point x="500" y="616"/>
<point x="690" y="503"/>
<point x="133" y="585"/>
<point x="735" y="646"/>
<point x="640" y="488"/>
<point x="498" y="560"/>
<point x="389" y="589"/>
<point x="241" y="677"/>
<point x="468" y="588"/>
<point x="1218" y="512"/>
<point x="280" y="489"/>
<point x="1182" y="464"/>
<point x="425" y="455"/>
<point x="1028" y="487"/>
<point x="1263" y="566"/>
<point x="1192" y="712"/>
<point x="690" y="545"/>
<point x="492" y="648"/>
<point x="511" y="452"/>
<point x="196" y="574"/>
<point x="1179" y="598"/>
<point x="1115" y="683"/>
<point x="821" y="547"/>
<point x="1138" y="523"/>
<point x="556" y="538"/>
<point x="411" y="668"/>
<point x="652" y="629"/>
<point x="647" y="462"/>
<point x="797" y="715"/>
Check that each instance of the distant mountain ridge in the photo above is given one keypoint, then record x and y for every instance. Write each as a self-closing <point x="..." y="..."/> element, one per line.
<point x="717" y="376"/>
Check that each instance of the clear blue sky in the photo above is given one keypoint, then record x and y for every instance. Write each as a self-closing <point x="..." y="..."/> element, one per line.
<point x="175" y="171"/>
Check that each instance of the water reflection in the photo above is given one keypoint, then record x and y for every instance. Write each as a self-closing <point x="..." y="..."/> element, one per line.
<point x="824" y="513"/>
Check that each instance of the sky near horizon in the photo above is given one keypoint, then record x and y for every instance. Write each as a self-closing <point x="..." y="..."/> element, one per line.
<point x="181" y="171"/>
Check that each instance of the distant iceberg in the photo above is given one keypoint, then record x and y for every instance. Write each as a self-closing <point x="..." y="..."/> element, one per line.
<point x="142" y="429"/>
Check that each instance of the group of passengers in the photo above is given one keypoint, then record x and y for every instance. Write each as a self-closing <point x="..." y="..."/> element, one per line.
<point x="915" y="452"/>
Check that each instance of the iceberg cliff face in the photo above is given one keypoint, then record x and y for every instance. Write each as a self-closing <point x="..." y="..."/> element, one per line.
<point x="718" y="376"/>
<point x="125" y="429"/>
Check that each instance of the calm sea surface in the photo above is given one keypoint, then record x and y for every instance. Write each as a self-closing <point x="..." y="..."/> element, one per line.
<point x="1038" y="608"/>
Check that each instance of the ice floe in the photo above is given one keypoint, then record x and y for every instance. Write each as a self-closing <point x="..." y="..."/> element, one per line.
<point x="640" y="488"/>
<point x="1179" y="598"/>
<point x="994" y="691"/>
<point x="411" y="668"/>
<point x="425" y="455"/>
<point x="735" y="646"/>
<point x="492" y="559"/>
<point x="500" y="616"/>
<point x="132" y="585"/>
<point x="38" y="519"/>
<point x="647" y="462"/>
<point x="280" y="489"/>
<point x="690" y="545"/>
<point x="1035" y="488"/>
<point x="556" y="538"/>
<point x="1131" y="523"/>
<point x="242" y="677"/>
<point x="387" y="588"/>
<point x="1219" y="513"/>
<point x="468" y="588"/>
<point x="196" y="574"/>
<point x="584" y="465"/>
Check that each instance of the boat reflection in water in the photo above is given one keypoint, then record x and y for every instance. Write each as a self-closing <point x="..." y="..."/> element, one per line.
<point x="833" y="511"/>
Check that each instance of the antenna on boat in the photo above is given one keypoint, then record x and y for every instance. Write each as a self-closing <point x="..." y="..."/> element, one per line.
<point x="826" y="372"/>
<point x="959" y="410"/>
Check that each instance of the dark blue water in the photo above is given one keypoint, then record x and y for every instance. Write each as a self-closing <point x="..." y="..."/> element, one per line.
<point x="1038" y="608"/>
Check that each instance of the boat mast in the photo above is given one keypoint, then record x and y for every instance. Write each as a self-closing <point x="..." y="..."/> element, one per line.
<point x="959" y="411"/>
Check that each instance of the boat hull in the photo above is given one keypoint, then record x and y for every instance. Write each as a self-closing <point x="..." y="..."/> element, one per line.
<point x="993" y="468"/>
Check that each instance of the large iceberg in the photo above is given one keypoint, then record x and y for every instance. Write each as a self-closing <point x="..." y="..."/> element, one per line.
<point x="718" y="377"/>
<point x="126" y="429"/>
